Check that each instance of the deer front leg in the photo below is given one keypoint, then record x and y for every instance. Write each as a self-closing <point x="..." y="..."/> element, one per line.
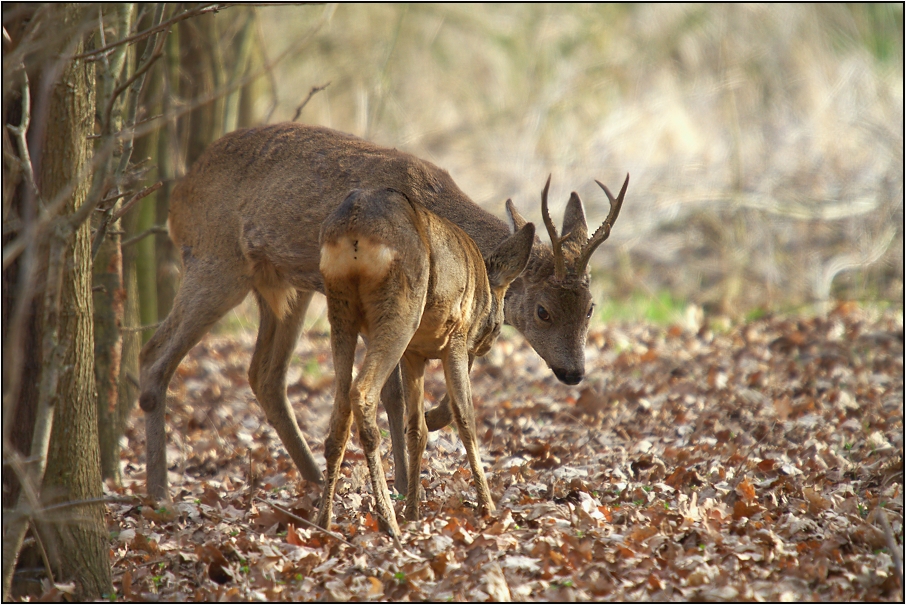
<point x="206" y="293"/>
<point x="441" y="415"/>
<point x="456" y="371"/>
<point x="416" y="430"/>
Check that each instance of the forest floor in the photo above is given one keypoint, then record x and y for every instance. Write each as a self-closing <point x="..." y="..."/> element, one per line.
<point x="763" y="461"/>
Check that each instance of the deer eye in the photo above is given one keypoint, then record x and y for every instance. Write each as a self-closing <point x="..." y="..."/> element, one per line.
<point x="543" y="315"/>
<point x="590" y="309"/>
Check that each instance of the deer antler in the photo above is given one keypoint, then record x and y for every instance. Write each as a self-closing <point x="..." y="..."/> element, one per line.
<point x="556" y="244"/>
<point x="603" y="232"/>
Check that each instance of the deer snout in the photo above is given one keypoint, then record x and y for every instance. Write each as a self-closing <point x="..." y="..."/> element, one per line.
<point x="569" y="376"/>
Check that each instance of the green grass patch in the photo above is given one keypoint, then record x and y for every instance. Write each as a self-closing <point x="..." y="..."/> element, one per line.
<point x="662" y="308"/>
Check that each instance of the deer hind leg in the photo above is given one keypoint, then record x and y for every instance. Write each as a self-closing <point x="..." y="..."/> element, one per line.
<point x="343" y="338"/>
<point x="395" y="406"/>
<point x="267" y="377"/>
<point x="385" y="347"/>
<point x="456" y="372"/>
<point x="205" y="295"/>
<point x="416" y="429"/>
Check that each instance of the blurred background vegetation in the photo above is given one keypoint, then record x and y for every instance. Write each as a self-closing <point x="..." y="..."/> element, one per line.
<point x="765" y="142"/>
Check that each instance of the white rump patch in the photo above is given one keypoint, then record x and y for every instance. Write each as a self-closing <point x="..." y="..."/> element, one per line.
<point x="349" y="255"/>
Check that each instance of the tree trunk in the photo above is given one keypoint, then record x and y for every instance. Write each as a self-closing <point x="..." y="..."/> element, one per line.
<point x="73" y="463"/>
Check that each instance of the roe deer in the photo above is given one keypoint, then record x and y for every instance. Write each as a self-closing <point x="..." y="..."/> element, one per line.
<point x="247" y="217"/>
<point x="417" y="288"/>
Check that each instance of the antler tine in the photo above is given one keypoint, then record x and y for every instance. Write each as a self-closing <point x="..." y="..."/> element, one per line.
<point x="603" y="232"/>
<point x="559" y="264"/>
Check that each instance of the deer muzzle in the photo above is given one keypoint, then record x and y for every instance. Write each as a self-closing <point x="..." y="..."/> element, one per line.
<point x="569" y="376"/>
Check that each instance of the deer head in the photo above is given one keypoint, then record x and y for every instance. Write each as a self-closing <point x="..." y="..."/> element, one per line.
<point x="550" y="303"/>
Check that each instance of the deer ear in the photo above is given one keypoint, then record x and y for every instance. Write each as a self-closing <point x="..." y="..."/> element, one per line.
<point x="509" y="258"/>
<point x="516" y="220"/>
<point x="574" y="224"/>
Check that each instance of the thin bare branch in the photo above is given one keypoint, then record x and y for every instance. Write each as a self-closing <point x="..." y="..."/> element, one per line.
<point x="135" y="84"/>
<point x="40" y="542"/>
<point x="38" y="231"/>
<point x="93" y="55"/>
<point x="311" y="93"/>
<point x="12" y="250"/>
<point x="239" y="83"/>
<point x="140" y="329"/>
<point x="15" y="522"/>
<point x="105" y="203"/>
<point x="135" y="198"/>
<point x="30" y="478"/>
<point x="150" y="231"/>
<point x="306" y="522"/>
<point x="156" y="54"/>
<point x="27" y="283"/>
<point x="20" y="131"/>
<point x="122" y="133"/>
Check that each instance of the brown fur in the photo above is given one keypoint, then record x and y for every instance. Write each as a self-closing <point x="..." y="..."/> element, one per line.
<point x="416" y="286"/>
<point x="247" y="217"/>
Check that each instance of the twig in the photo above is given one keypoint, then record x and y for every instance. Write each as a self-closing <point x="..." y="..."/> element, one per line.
<point x="26" y="243"/>
<point x="138" y="196"/>
<point x="43" y="551"/>
<point x="93" y="54"/>
<point x="16" y="521"/>
<point x="98" y="500"/>
<point x="105" y="203"/>
<point x="39" y="512"/>
<point x="153" y="50"/>
<point x="311" y="93"/>
<point x="122" y="133"/>
<point x="13" y="249"/>
<point x="150" y="231"/>
<point x="134" y="84"/>
<point x="306" y="522"/>
<point x="38" y="232"/>
<point x="139" y="73"/>
<point x="21" y="129"/>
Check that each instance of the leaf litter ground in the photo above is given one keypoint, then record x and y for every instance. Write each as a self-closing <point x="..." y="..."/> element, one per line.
<point x="760" y="462"/>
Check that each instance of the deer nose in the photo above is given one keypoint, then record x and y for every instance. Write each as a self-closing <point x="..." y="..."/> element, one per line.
<point x="569" y="376"/>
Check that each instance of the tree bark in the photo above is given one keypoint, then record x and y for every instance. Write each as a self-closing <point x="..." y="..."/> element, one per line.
<point x="73" y="462"/>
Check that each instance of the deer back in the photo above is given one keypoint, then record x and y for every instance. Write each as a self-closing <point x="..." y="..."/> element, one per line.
<point x="259" y="197"/>
<point x="279" y="183"/>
